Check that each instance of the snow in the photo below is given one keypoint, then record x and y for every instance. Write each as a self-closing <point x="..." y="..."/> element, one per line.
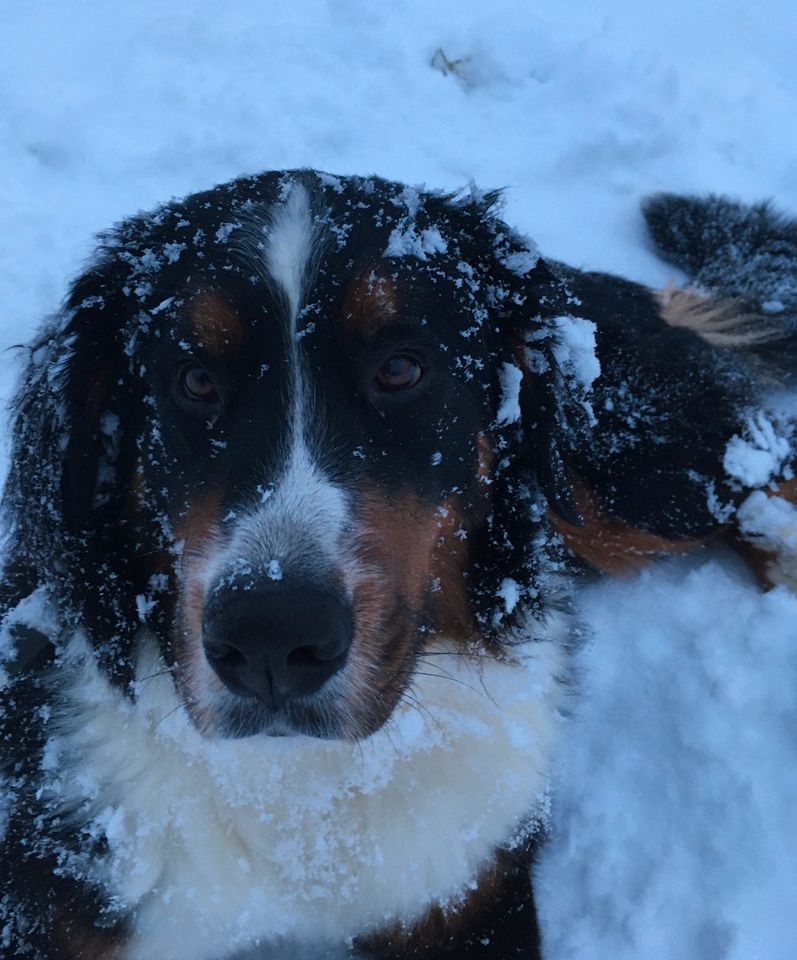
<point x="676" y="822"/>
<point x="760" y="456"/>
<point x="509" y="591"/>
<point x="675" y="831"/>
<point x="408" y="242"/>
<point x="510" y="378"/>
<point x="574" y="350"/>
<point x="770" y="522"/>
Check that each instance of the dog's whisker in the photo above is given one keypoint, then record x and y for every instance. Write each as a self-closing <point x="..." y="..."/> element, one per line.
<point x="158" y="673"/>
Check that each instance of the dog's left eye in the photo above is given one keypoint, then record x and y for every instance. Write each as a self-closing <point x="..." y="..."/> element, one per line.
<point x="197" y="384"/>
<point x="400" y="372"/>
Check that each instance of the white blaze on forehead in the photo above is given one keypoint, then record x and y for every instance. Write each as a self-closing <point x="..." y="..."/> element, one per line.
<point x="299" y="529"/>
<point x="295" y="520"/>
<point x="289" y="245"/>
<point x="298" y="519"/>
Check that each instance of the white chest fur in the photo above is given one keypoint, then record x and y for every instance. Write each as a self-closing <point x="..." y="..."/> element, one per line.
<point x="216" y="845"/>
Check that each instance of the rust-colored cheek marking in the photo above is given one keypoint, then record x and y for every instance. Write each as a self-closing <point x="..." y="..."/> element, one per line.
<point x="419" y="549"/>
<point x="371" y="302"/>
<point x="198" y="530"/>
<point x="219" y="329"/>
<point x="457" y="520"/>
<point x="398" y="540"/>
<point x="609" y="544"/>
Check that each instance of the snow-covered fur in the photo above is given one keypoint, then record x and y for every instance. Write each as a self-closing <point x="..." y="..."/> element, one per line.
<point x="299" y="475"/>
<point x="218" y="845"/>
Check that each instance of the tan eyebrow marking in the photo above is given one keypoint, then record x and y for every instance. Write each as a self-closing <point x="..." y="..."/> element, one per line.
<point x="371" y="301"/>
<point x="218" y="327"/>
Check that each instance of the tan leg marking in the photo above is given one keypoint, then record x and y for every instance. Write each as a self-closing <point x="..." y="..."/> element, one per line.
<point x="609" y="544"/>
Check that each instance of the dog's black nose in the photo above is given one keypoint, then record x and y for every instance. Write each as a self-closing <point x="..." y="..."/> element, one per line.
<point x="277" y="642"/>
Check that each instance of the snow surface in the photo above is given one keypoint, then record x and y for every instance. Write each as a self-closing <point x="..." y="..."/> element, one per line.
<point x="675" y="831"/>
<point x="676" y="820"/>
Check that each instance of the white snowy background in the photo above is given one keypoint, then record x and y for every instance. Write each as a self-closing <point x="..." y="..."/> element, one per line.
<point x="675" y="825"/>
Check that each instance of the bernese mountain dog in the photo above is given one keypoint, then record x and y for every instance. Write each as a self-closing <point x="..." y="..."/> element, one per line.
<point x="303" y="473"/>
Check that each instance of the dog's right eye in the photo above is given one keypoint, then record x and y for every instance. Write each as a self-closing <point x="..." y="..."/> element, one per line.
<point x="400" y="372"/>
<point x="196" y="384"/>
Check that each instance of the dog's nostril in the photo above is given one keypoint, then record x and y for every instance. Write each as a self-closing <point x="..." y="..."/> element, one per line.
<point x="224" y="653"/>
<point x="312" y="656"/>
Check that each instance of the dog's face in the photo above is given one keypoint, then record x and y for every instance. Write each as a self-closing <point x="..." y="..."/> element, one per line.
<point x="300" y="392"/>
<point x="324" y="445"/>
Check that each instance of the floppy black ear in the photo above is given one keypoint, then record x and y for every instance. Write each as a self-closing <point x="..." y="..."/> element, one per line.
<point x="551" y="397"/>
<point x="537" y="410"/>
<point x="69" y="455"/>
<point x="96" y="393"/>
<point x="64" y="423"/>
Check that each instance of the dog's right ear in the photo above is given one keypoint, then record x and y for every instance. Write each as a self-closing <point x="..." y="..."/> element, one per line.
<point x="66" y="431"/>
<point x="66" y="434"/>
<point x="93" y="393"/>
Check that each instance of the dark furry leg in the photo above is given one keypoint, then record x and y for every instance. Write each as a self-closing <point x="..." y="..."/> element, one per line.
<point x="497" y="921"/>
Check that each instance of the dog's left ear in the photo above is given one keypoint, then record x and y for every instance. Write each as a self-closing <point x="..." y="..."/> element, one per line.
<point x="541" y="399"/>
<point x="538" y="407"/>
<point x="550" y="394"/>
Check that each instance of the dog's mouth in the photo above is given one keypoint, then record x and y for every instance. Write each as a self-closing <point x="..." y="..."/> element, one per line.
<point x="240" y="717"/>
<point x="343" y="708"/>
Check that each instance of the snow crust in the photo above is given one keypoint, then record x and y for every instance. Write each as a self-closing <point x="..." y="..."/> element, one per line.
<point x="770" y="522"/>
<point x="510" y="378"/>
<point x="574" y="351"/>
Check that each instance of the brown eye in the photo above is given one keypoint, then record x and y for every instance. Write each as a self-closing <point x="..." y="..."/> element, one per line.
<point x="197" y="384"/>
<point x="399" y="373"/>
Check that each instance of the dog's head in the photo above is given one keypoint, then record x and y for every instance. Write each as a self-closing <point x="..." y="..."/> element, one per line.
<point x="300" y="426"/>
